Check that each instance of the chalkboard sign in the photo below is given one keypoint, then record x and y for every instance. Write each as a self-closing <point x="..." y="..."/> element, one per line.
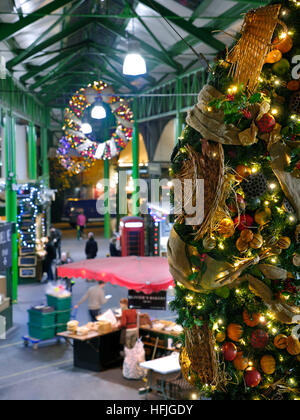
<point x="154" y="301"/>
<point x="27" y="261"/>
<point x="5" y="246"/>
<point x="27" y="273"/>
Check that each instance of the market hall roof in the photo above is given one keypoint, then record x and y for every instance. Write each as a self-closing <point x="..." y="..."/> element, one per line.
<point x="54" y="47"/>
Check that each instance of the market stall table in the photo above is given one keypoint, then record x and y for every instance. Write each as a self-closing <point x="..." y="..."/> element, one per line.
<point x="145" y="274"/>
<point x="95" y="351"/>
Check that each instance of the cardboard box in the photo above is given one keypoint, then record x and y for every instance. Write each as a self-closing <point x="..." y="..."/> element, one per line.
<point x="3" y="290"/>
<point x="4" y="305"/>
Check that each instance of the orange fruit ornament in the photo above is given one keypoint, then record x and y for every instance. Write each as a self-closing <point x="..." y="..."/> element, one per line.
<point x="293" y="85"/>
<point x="293" y="346"/>
<point x="220" y="337"/>
<point x="268" y="365"/>
<point x="252" y="320"/>
<point x="274" y="56"/>
<point x="242" y="172"/>
<point x="284" y="45"/>
<point x="241" y="362"/>
<point x="280" y="341"/>
<point x="227" y="228"/>
<point x="235" y="332"/>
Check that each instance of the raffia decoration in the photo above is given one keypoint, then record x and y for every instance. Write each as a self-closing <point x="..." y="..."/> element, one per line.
<point x="280" y="159"/>
<point x="210" y="167"/>
<point x="282" y="311"/>
<point x="210" y="123"/>
<point x="248" y="56"/>
<point x="249" y="137"/>
<point x="272" y="272"/>
<point x="200" y="347"/>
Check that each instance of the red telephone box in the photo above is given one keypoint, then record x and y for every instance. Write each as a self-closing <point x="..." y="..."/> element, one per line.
<point x="132" y="236"/>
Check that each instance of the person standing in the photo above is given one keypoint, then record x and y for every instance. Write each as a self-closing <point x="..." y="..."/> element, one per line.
<point x="91" y="248"/>
<point x="49" y="258"/>
<point x="113" y="250"/>
<point x="81" y="222"/>
<point x="96" y="298"/>
<point x="56" y="236"/>
<point x="129" y="323"/>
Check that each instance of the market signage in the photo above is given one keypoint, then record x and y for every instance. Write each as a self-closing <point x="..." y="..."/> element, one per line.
<point x="5" y="246"/>
<point x="154" y="301"/>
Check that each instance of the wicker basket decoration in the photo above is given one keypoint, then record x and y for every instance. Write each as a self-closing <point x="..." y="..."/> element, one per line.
<point x="211" y="168"/>
<point x="248" y="56"/>
<point x="200" y="348"/>
<point x="186" y="368"/>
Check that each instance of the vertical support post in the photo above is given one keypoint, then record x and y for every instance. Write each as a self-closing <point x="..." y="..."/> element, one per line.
<point x="44" y="151"/>
<point x="135" y="163"/>
<point x="107" y="229"/>
<point x="11" y="196"/>
<point x="179" y="116"/>
<point x="32" y="152"/>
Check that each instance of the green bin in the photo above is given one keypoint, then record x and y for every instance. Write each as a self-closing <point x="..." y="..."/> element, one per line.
<point x="59" y="304"/>
<point x="41" y="333"/>
<point x="62" y="317"/>
<point x="41" y="319"/>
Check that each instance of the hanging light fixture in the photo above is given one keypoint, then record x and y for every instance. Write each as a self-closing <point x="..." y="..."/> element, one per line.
<point x="134" y="63"/>
<point x="98" y="111"/>
<point x="86" y="127"/>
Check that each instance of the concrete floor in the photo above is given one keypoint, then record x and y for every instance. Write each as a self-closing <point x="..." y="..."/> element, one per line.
<point x="48" y="373"/>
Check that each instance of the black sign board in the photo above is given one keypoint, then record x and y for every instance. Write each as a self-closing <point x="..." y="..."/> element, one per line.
<point x="154" y="301"/>
<point x="5" y="246"/>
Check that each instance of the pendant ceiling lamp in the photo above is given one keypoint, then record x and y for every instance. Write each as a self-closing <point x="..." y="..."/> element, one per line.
<point x="98" y="111"/>
<point x="86" y="128"/>
<point x="134" y="63"/>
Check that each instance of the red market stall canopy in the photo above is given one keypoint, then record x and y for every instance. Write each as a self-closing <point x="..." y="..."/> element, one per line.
<point x="142" y="274"/>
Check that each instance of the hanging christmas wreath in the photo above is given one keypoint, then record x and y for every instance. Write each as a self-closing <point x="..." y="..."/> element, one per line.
<point x="97" y="125"/>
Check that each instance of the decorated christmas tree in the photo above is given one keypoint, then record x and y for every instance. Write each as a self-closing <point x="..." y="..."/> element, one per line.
<point x="237" y="273"/>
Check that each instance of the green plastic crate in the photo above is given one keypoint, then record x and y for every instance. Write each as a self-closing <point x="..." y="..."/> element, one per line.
<point x="41" y="320"/>
<point x="59" y="304"/>
<point x="59" y="328"/>
<point x="41" y="333"/>
<point x="62" y="317"/>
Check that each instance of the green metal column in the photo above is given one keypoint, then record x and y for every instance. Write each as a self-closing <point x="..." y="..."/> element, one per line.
<point x="135" y="163"/>
<point x="179" y="121"/>
<point x="107" y="230"/>
<point x="32" y="152"/>
<point x="11" y="196"/>
<point x="44" y="150"/>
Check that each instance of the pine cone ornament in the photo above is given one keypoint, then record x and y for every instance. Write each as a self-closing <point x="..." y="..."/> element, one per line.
<point x="255" y="186"/>
<point x="295" y="103"/>
<point x="266" y="123"/>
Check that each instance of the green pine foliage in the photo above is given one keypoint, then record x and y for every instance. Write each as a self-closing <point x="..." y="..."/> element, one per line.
<point x="224" y="306"/>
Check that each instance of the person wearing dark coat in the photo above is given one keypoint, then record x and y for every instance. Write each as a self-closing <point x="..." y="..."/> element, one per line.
<point x="91" y="248"/>
<point x="56" y="237"/>
<point x="50" y="257"/>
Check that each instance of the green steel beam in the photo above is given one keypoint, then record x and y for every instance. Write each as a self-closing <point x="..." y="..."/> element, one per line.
<point x="45" y="33"/>
<point x="173" y="63"/>
<point x="223" y="22"/>
<point x="11" y="205"/>
<point x="135" y="162"/>
<point x="199" y="10"/>
<point x="10" y="29"/>
<point x="48" y="64"/>
<point x="117" y="30"/>
<point x="52" y="73"/>
<point x="69" y="30"/>
<point x="32" y="152"/>
<point x="201" y="34"/>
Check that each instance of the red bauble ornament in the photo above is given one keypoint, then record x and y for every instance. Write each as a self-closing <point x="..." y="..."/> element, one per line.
<point x="252" y="377"/>
<point x="259" y="339"/>
<point x="244" y="222"/>
<point x="229" y="351"/>
<point x="266" y="123"/>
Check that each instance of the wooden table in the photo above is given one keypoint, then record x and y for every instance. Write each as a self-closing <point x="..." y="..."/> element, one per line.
<point x="95" y="351"/>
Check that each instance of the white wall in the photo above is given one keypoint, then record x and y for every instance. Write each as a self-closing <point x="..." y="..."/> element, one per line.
<point x="166" y="143"/>
<point x="21" y="153"/>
